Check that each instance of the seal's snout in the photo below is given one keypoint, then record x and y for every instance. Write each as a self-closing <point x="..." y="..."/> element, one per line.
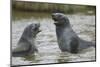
<point x="53" y="15"/>
<point x="37" y="27"/>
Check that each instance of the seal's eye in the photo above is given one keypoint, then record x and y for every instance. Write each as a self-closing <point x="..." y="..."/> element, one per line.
<point x="59" y="16"/>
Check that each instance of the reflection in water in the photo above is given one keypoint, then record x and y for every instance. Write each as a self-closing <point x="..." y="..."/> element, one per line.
<point x="46" y="40"/>
<point x="30" y="58"/>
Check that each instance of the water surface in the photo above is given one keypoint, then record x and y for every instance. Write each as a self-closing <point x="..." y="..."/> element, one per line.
<point x="46" y="41"/>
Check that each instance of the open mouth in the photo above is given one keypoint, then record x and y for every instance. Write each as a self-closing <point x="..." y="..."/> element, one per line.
<point x="55" y="21"/>
<point x="54" y="18"/>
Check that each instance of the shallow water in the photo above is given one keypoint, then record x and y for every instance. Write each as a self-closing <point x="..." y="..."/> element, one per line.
<point x="46" y="41"/>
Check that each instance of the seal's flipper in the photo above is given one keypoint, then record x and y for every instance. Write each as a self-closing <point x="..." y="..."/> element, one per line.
<point x="20" y="51"/>
<point x="85" y="44"/>
<point x="74" y="44"/>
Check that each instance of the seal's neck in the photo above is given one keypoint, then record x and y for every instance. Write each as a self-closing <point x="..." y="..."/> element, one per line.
<point x="28" y="34"/>
<point x="61" y="24"/>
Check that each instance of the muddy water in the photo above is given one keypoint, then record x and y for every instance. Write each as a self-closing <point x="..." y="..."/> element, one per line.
<point x="46" y="41"/>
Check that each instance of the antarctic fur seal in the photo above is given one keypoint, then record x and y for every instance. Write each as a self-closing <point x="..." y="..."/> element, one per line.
<point x="26" y="43"/>
<point x="66" y="37"/>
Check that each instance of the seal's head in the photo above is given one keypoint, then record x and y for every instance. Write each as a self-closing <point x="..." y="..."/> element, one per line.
<point x="60" y="19"/>
<point x="32" y="30"/>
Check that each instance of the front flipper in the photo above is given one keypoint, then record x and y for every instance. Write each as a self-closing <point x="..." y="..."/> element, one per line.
<point x="23" y="49"/>
<point x="74" y="45"/>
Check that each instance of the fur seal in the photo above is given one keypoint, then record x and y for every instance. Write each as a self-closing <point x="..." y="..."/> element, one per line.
<point x="26" y="44"/>
<point x="66" y="37"/>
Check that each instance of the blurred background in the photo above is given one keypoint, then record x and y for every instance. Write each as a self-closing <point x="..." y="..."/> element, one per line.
<point x="50" y="7"/>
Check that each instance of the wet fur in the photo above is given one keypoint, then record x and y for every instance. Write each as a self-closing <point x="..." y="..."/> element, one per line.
<point x="66" y="37"/>
<point x="26" y="45"/>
